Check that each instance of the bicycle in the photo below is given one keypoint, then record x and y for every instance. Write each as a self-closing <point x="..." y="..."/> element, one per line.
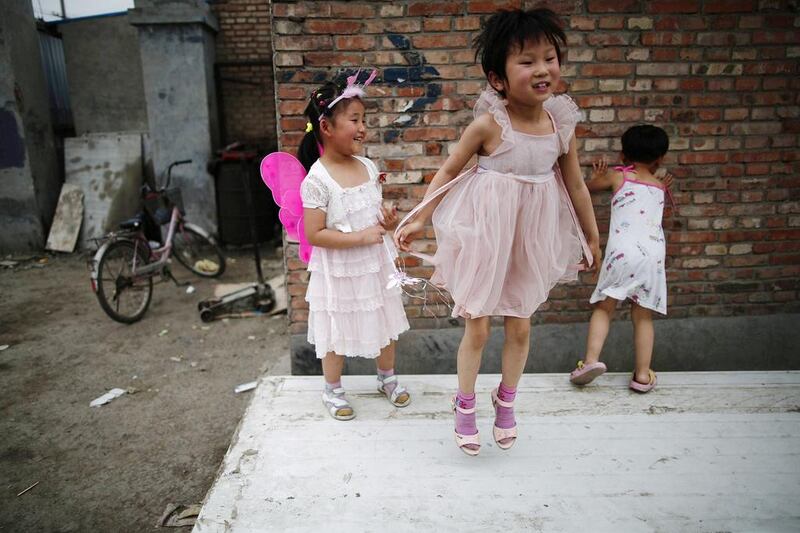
<point x="123" y="268"/>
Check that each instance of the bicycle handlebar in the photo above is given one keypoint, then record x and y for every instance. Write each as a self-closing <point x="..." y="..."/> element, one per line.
<point x="169" y="169"/>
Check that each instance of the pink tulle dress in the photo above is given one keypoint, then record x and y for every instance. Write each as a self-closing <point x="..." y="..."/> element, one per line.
<point x="352" y="311"/>
<point x="506" y="230"/>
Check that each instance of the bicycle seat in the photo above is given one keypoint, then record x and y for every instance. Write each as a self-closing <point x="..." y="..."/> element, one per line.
<point x="131" y="223"/>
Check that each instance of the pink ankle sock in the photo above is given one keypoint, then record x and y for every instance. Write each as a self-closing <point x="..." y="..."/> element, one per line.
<point x="383" y="374"/>
<point x="504" y="417"/>
<point x="335" y="385"/>
<point x="465" y="424"/>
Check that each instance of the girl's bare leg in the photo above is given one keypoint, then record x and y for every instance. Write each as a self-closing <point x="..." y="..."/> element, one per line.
<point x="385" y="360"/>
<point x="476" y="334"/>
<point x="643" y="339"/>
<point x="332" y="366"/>
<point x="599" y="325"/>
<point x="515" y="349"/>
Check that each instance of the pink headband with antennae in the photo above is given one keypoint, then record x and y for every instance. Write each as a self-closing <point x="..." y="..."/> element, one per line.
<point x="352" y="90"/>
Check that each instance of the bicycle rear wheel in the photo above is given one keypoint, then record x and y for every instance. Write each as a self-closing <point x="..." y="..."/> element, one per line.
<point x="123" y="297"/>
<point x="198" y="253"/>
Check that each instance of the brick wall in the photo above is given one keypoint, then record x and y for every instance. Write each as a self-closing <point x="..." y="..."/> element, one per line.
<point x="719" y="76"/>
<point x="244" y="72"/>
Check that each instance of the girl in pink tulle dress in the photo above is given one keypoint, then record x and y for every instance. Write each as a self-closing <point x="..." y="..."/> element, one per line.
<point x="352" y="309"/>
<point x="520" y="221"/>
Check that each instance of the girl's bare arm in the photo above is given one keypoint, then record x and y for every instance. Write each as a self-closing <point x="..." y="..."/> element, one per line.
<point x="318" y="234"/>
<point x="581" y="200"/>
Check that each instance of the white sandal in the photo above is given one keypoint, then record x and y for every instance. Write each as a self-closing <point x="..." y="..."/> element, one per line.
<point x="337" y="405"/>
<point x="398" y="391"/>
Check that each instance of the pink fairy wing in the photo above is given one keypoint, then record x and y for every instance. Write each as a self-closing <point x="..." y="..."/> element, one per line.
<point x="284" y="174"/>
<point x="305" y="247"/>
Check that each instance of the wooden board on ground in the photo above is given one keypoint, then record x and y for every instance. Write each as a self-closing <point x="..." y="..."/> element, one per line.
<point x="67" y="220"/>
<point x="108" y="169"/>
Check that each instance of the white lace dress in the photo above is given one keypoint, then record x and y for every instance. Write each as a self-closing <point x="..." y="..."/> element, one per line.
<point x="351" y="312"/>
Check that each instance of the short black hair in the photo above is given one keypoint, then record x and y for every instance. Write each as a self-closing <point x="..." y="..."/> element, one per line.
<point x="644" y="143"/>
<point x="508" y="29"/>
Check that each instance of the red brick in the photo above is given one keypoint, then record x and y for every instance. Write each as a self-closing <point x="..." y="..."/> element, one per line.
<point x="673" y="6"/>
<point x="336" y="27"/>
<point x="349" y="9"/>
<point x="613" y="70"/>
<point x="329" y="59"/>
<point x="433" y="8"/>
<point x="423" y="134"/>
<point x="729" y="6"/>
<point x="355" y="42"/>
<point x="488" y="6"/>
<point x="437" y="24"/>
<point x="613" y="6"/>
<point x="452" y="40"/>
<point x="773" y="36"/>
<point x="702" y="158"/>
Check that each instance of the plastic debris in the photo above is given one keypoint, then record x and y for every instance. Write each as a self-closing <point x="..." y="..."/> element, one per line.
<point x="206" y="265"/>
<point x="190" y="289"/>
<point x="251" y="337"/>
<point x="244" y="387"/>
<point x="5" y="347"/>
<point x="176" y="515"/>
<point x="107" y="397"/>
<point x="176" y="359"/>
<point x="163" y="332"/>
<point x="26" y="490"/>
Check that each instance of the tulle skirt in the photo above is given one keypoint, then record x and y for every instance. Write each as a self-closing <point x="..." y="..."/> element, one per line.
<point x="503" y="243"/>
<point x="351" y="310"/>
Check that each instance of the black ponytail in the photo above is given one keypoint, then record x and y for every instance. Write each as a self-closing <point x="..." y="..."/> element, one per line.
<point x="308" y="151"/>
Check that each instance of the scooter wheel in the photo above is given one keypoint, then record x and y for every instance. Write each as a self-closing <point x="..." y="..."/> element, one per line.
<point x="206" y="315"/>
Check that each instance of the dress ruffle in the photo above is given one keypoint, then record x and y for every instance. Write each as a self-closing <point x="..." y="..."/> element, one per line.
<point x="348" y="262"/>
<point x="491" y="102"/>
<point x="355" y="316"/>
<point x="565" y="112"/>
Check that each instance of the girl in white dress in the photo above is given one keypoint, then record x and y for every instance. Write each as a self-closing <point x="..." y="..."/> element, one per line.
<point x="633" y="267"/>
<point x="352" y="310"/>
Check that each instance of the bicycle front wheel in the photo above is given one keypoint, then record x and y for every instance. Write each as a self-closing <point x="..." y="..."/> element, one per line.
<point x="198" y="253"/>
<point x="122" y="296"/>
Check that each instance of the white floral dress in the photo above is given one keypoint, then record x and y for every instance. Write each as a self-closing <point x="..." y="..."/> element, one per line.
<point x="633" y="266"/>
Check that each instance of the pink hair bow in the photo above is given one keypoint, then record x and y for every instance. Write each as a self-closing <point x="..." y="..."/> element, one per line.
<point x="353" y="90"/>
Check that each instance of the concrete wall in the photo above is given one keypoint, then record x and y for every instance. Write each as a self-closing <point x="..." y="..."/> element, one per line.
<point x="176" y="42"/>
<point x="29" y="180"/>
<point x="104" y="70"/>
<point x="685" y="344"/>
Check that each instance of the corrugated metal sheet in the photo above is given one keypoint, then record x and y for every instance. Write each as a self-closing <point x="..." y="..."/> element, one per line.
<point x="52" y="51"/>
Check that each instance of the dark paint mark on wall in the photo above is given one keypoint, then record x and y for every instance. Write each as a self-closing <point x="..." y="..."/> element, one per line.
<point x="12" y="147"/>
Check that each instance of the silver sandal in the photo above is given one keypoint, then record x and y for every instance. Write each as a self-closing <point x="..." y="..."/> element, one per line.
<point x="337" y="405"/>
<point x="395" y="397"/>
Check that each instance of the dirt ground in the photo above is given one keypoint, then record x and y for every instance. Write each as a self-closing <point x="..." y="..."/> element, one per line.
<point x="116" y="467"/>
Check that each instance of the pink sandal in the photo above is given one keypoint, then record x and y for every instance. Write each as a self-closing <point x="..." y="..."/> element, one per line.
<point x="504" y="438"/>
<point x="469" y="444"/>
<point x="644" y="387"/>
<point x="585" y="374"/>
